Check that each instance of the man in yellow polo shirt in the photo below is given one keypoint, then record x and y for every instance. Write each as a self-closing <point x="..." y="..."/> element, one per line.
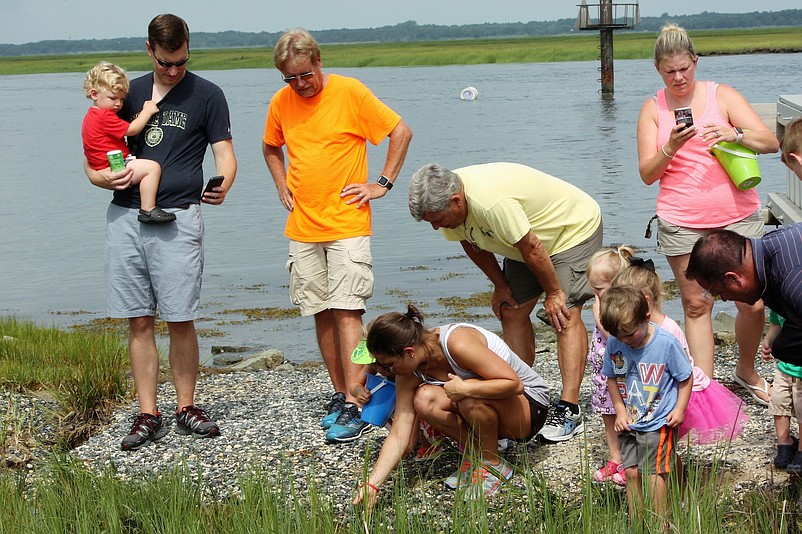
<point x="546" y="230"/>
<point x="325" y="120"/>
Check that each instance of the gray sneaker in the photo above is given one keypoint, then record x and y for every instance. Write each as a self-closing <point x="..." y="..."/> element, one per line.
<point x="146" y="429"/>
<point x="194" y="421"/>
<point x="562" y="424"/>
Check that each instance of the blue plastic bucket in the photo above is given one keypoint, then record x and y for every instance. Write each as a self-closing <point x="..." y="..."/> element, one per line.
<point x="382" y="400"/>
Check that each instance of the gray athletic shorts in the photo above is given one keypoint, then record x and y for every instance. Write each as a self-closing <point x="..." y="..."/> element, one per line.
<point x="655" y="452"/>
<point x="675" y="240"/>
<point x="150" y="266"/>
<point x="570" y="267"/>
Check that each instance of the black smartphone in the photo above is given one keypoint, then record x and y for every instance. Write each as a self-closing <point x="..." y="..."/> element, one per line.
<point x="684" y="116"/>
<point x="214" y="181"/>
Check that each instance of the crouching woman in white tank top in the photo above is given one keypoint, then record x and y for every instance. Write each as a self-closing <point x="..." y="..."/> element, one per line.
<point x="464" y="381"/>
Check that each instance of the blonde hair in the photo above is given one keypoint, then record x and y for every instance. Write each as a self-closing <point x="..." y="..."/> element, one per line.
<point x="297" y="44"/>
<point x="608" y="262"/>
<point x="106" y="77"/>
<point x="643" y="279"/>
<point x="673" y="40"/>
<point x="792" y="141"/>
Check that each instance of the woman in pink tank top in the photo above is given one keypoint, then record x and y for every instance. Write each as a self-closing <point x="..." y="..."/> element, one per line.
<point x="696" y="194"/>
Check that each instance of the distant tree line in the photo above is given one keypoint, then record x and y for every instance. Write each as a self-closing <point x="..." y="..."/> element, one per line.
<point x="411" y="31"/>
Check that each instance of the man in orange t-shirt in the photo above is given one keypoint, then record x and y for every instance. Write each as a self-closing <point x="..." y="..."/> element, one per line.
<point x="325" y="120"/>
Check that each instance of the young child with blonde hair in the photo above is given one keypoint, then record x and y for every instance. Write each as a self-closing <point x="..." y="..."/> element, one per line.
<point x="714" y="413"/>
<point x="103" y="131"/>
<point x="603" y="266"/>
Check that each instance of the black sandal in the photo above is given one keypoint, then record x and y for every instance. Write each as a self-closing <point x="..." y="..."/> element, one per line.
<point x="156" y="215"/>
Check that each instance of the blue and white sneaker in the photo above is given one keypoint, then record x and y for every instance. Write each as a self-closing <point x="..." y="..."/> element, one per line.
<point x="562" y="424"/>
<point x="333" y="409"/>
<point x="348" y="425"/>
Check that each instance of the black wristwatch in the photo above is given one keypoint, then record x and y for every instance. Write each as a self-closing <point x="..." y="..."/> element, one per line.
<point x="385" y="182"/>
<point x="739" y="134"/>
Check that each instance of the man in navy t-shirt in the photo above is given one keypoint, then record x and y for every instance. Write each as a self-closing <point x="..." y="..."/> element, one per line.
<point x="152" y="268"/>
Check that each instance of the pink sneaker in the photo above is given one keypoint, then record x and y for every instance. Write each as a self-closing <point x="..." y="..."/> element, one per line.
<point x="611" y="472"/>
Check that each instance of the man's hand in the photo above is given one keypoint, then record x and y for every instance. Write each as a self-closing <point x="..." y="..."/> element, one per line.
<point x="557" y="310"/>
<point x="117" y="181"/>
<point x="502" y="296"/>
<point x="216" y="196"/>
<point x="362" y="193"/>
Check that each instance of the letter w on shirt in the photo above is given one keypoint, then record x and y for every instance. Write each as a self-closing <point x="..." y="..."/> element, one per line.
<point x="651" y="373"/>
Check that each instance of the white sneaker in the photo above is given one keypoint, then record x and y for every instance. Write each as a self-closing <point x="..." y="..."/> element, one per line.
<point x="487" y="479"/>
<point x="461" y="477"/>
<point x="561" y="424"/>
<point x="505" y="443"/>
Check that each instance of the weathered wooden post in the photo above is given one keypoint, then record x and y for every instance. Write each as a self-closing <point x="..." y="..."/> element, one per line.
<point x="609" y="17"/>
<point x="606" y="46"/>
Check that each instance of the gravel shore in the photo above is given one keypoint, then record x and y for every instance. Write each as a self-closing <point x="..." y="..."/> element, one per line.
<point x="270" y="421"/>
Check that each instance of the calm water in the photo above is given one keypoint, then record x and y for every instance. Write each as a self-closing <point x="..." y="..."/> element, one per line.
<point x="549" y="116"/>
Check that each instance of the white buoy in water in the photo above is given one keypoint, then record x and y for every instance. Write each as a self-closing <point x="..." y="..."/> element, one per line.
<point x="469" y="93"/>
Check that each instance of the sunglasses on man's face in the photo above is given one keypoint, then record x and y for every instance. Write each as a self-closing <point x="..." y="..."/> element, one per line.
<point x="171" y="64"/>
<point x="290" y="79"/>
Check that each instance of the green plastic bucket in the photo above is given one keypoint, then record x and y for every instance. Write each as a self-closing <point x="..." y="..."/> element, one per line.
<point x="739" y="162"/>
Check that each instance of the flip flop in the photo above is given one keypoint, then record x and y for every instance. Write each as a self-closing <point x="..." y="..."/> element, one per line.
<point x="752" y="390"/>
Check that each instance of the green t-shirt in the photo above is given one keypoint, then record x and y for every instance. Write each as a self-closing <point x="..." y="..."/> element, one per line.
<point x="785" y="367"/>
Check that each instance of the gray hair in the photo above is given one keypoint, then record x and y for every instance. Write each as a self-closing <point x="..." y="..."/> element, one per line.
<point x="295" y="44"/>
<point x="672" y="40"/>
<point x="430" y="190"/>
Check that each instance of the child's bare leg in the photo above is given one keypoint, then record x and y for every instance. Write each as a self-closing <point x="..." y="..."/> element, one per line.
<point x="611" y="436"/>
<point x="147" y="174"/>
<point x="634" y="494"/>
<point x="782" y="427"/>
<point x="657" y="488"/>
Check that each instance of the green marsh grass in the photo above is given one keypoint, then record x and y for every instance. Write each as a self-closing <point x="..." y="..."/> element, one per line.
<point x="582" y="46"/>
<point x="84" y="372"/>
<point x="68" y="498"/>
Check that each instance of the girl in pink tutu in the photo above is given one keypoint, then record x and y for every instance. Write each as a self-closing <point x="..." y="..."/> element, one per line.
<point x="714" y="413"/>
<point x="602" y="268"/>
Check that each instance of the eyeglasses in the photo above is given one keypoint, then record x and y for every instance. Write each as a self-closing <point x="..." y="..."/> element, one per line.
<point x="305" y="75"/>
<point x="390" y="369"/>
<point x="171" y="64"/>
<point x="708" y="293"/>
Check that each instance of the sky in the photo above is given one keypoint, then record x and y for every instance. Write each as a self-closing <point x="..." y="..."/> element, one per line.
<point x="25" y="21"/>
